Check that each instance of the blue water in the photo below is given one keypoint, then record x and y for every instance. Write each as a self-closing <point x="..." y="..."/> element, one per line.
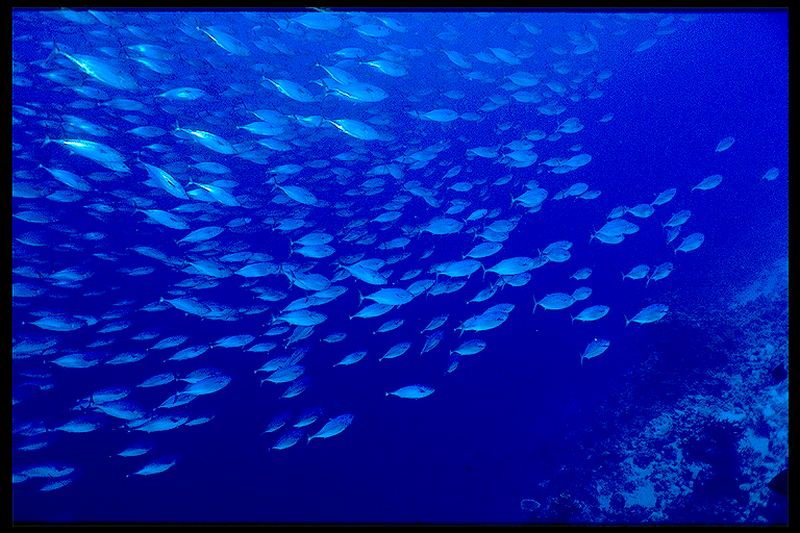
<point x="523" y="419"/>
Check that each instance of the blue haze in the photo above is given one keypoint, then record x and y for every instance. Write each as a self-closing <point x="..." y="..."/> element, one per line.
<point x="522" y="420"/>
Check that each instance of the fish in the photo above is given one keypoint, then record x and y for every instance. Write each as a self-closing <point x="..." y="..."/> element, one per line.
<point x="102" y="70"/>
<point x="555" y="301"/>
<point x="288" y="439"/>
<point x="690" y="242"/>
<point x="333" y="427"/>
<point x="100" y="153"/>
<point x="665" y="196"/>
<point x="592" y="313"/>
<point x="210" y="140"/>
<point x="641" y="210"/>
<point x="396" y="351"/>
<point x="298" y="194"/>
<point x="581" y="274"/>
<point x="724" y="144"/>
<point x="352" y="358"/>
<point x="711" y="182"/>
<point x="771" y="174"/>
<point x="226" y="41"/>
<point x="470" y="347"/>
<point x="356" y="129"/>
<point x="594" y="348"/>
<point x="637" y="272"/>
<point x="412" y="392"/>
<point x="293" y="90"/>
<point x="651" y="313"/>
<point x="512" y="266"/>
<point x="435" y="323"/>
<point x="432" y="341"/>
<point x="389" y="296"/>
<point x="678" y="218"/>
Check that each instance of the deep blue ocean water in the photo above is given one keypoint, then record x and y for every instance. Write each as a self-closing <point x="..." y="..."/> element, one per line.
<point x="683" y="420"/>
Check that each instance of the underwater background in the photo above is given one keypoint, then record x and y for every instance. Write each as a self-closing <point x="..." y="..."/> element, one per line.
<point x="202" y="201"/>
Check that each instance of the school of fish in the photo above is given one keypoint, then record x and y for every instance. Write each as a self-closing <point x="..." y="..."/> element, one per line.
<point x="229" y="152"/>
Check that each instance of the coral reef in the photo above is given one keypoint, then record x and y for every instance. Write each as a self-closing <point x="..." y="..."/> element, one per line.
<point x="715" y="448"/>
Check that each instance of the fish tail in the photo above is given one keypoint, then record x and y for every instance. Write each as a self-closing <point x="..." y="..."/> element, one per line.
<point x="47" y="140"/>
<point x="623" y="275"/>
<point x="582" y="358"/>
<point x="54" y="52"/>
<point x="626" y="320"/>
<point x="572" y="318"/>
<point x="648" y="281"/>
<point x="534" y="305"/>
